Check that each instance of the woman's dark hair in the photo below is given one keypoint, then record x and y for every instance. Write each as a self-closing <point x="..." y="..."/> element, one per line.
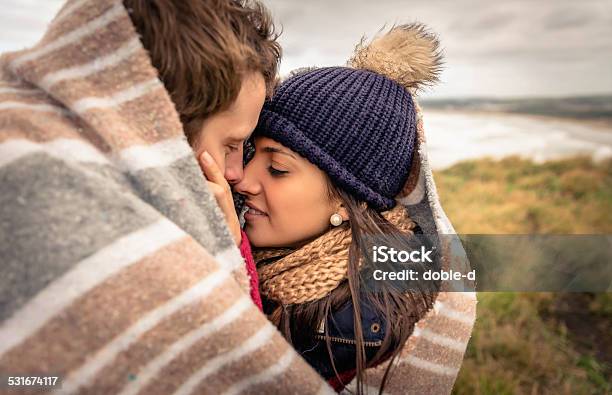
<point x="400" y="308"/>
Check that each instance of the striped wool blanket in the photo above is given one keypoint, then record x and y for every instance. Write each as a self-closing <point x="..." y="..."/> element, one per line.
<point x="117" y="271"/>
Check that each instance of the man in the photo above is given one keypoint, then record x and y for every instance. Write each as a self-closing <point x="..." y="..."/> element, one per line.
<point x="218" y="77"/>
<point x="118" y="274"/>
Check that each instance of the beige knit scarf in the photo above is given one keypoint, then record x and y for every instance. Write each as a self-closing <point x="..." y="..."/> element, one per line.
<point x="294" y="276"/>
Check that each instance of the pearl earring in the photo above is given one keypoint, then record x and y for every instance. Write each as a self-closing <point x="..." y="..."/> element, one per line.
<point x="336" y="219"/>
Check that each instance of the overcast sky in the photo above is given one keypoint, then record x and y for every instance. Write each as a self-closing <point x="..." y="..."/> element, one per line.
<point x="494" y="49"/>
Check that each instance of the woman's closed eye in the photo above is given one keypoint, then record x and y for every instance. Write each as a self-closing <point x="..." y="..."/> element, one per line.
<point x="276" y="172"/>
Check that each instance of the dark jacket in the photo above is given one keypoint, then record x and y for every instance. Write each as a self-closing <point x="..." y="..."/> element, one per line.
<point x="341" y="330"/>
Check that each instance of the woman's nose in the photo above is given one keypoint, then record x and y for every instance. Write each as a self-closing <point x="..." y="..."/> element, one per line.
<point x="248" y="185"/>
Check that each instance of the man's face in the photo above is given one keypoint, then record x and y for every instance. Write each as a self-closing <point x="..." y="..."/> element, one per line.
<point x="224" y="133"/>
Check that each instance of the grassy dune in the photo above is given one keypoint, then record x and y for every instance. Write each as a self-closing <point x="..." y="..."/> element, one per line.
<point x="534" y="343"/>
<point x="514" y="195"/>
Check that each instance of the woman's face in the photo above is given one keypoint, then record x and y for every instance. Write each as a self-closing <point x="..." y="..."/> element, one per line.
<point x="287" y="197"/>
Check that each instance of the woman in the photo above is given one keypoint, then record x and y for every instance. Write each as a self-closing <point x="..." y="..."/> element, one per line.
<point x="333" y="149"/>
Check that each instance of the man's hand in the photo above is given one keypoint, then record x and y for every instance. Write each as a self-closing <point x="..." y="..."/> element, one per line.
<point x="223" y="193"/>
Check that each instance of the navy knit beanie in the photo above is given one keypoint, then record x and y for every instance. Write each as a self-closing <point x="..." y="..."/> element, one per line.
<point x="357" y="126"/>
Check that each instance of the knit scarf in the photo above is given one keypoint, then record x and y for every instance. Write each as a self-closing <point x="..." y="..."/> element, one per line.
<point x="294" y="276"/>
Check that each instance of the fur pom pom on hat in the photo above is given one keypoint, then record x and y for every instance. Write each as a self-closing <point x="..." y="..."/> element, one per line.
<point x="358" y="123"/>
<point x="408" y="54"/>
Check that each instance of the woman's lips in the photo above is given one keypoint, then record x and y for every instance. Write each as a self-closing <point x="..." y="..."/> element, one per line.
<point x="253" y="213"/>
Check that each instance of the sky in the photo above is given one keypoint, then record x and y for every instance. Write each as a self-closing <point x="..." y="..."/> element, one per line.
<point x="503" y="49"/>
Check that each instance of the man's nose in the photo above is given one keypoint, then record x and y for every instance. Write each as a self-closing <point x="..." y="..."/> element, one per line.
<point x="233" y="168"/>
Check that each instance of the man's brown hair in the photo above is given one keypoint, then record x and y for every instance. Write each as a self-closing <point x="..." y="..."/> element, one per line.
<point x="202" y="50"/>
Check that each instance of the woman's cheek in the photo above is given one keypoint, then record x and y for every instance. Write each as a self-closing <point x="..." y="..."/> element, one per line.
<point x="285" y="210"/>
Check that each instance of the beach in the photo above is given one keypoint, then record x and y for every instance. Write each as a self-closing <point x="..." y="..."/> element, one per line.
<point x="453" y="136"/>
